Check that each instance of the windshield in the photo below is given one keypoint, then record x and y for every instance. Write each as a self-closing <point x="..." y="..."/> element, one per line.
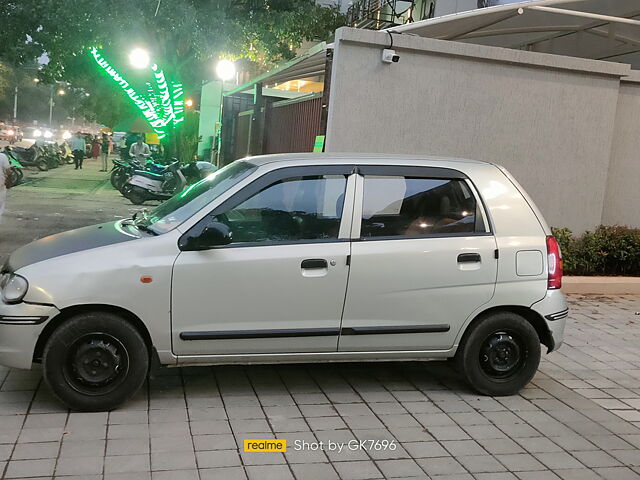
<point x="182" y="206"/>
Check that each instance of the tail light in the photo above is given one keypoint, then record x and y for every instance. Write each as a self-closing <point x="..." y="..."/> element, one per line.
<point x="554" y="257"/>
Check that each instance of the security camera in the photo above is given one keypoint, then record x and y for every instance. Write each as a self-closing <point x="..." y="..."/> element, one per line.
<point x="390" y="56"/>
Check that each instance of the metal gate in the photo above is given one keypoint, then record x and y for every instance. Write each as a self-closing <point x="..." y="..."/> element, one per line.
<point x="292" y="125"/>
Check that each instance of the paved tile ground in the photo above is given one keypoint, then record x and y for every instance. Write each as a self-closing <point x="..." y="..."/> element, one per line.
<point x="579" y="419"/>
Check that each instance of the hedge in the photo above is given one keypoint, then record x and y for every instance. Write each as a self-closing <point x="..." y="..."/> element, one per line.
<point x="609" y="250"/>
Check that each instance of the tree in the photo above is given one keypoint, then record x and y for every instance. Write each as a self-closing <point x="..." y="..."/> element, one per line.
<point x="185" y="37"/>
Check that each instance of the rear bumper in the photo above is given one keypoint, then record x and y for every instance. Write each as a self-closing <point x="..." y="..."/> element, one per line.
<point x="20" y="327"/>
<point x="554" y="310"/>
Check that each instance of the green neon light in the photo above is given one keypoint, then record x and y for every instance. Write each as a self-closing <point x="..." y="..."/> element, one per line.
<point x="162" y="106"/>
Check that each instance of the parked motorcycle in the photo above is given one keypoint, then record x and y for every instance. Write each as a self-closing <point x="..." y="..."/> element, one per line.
<point x="50" y="154"/>
<point x="28" y="157"/>
<point x="145" y="185"/>
<point x="196" y="171"/>
<point x="123" y="170"/>
<point x="15" y="172"/>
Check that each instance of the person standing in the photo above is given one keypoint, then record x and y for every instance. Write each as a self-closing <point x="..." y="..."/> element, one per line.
<point x="78" y="147"/>
<point x="130" y="140"/>
<point x="106" y="144"/>
<point x="95" y="147"/>
<point x="4" y="175"/>
<point x="140" y="150"/>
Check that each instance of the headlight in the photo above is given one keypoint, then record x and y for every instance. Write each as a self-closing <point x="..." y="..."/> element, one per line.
<point x="13" y="287"/>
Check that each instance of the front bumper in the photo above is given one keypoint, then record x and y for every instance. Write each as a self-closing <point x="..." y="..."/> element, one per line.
<point x="20" y="327"/>
<point x="554" y="309"/>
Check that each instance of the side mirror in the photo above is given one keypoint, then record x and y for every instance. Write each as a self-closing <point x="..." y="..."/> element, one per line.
<point x="215" y="234"/>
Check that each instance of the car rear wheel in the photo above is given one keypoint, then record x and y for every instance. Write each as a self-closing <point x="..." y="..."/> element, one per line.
<point x="95" y="361"/>
<point x="499" y="354"/>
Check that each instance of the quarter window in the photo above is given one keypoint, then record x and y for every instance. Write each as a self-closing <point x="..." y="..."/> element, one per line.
<point x="398" y="206"/>
<point x="292" y="210"/>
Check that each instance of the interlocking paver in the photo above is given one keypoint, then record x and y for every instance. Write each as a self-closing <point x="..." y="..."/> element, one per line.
<point x="80" y="466"/>
<point x="29" y="451"/>
<point x="224" y="473"/>
<point x="577" y="419"/>
<point x="29" y="468"/>
<point x="441" y="466"/>
<point x="358" y="470"/>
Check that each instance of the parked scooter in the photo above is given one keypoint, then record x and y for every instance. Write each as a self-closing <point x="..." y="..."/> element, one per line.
<point x="28" y="157"/>
<point x="50" y="154"/>
<point x="65" y="153"/>
<point x="145" y="185"/>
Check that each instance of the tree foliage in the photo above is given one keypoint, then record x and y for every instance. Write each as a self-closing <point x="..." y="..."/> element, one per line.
<point x="184" y="36"/>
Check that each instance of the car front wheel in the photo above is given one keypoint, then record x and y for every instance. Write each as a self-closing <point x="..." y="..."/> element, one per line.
<point x="95" y="361"/>
<point x="500" y="354"/>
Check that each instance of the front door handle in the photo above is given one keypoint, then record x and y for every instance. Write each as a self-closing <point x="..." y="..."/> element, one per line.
<point x="314" y="263"/>
<point x="469" y="258"/>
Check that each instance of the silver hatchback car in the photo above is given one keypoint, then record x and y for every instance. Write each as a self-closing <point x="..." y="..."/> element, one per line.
<point x="294" y="258"/>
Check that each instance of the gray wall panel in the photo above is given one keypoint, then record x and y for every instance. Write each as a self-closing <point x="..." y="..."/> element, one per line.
<point x="548" y="119"/>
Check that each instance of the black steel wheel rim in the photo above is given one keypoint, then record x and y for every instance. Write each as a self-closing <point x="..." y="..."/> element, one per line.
<point x="502" y="354"/>
<point x="96" y="364"/>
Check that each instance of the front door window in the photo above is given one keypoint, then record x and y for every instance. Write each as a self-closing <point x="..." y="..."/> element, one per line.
<point x="294" y="210"/>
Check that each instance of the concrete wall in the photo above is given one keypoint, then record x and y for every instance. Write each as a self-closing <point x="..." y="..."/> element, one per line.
<point x="447" y="7"/>
<point x="548" y="119"/>
<point x="209" y="116"/>
<point x="622" y="200"/>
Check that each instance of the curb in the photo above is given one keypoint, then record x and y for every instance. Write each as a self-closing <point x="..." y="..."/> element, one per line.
<point x="601" y="285"/>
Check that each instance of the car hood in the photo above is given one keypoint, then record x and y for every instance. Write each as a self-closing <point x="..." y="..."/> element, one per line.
<point x="72" y="241"/>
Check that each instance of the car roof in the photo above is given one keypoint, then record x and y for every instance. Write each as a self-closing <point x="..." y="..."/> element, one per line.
<point x="360" y="158"/>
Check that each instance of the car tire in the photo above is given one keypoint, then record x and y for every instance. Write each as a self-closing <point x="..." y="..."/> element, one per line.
<point x="95" y="361"/>
<point x="499" y="354"/>
<point x="42" y="165"/>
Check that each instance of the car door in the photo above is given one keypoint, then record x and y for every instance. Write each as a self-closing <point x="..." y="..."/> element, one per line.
<point x="422" y="260"/>
<point x="279" y="286"/>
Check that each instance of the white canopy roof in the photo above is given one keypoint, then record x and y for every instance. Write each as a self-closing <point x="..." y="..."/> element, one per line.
<point x="597" y="29"/>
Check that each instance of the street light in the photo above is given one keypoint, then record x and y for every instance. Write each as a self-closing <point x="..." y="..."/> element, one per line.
<point x="60" y="91"/>
<point x="188" y="102"/>
<point x="225" y="70"/>
<point x="139" y="58"/>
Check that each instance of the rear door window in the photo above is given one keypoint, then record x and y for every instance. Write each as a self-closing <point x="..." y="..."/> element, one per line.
<point x="403" y="206"/>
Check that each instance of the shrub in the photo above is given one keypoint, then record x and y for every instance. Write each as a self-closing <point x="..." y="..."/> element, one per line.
<point x="609" y="250"/>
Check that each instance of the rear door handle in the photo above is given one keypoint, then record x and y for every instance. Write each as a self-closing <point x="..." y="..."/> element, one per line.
<point x="469" y="257"/>
<point x="314" y="263"/>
